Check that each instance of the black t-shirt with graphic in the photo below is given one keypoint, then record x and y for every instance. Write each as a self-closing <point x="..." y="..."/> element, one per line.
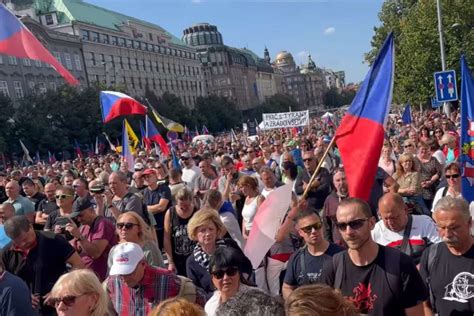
<point x="452" y="281"/>
<point x="313" y="265"/>
<point x="369" y="289"/>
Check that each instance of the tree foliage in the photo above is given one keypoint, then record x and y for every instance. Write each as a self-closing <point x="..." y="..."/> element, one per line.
<point x="415" y="28"/>
<point x="335" y="98"/>
<point x="274" y="104"/>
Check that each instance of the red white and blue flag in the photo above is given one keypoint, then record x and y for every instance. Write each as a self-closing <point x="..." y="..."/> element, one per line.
<point x="16" y="40"/>
<point x="153" y="135"/>
<point x="467" y="131"/>
<point x="77" y="148"/>
<point x="115" y="104"/>
<point x="361" y="132"/>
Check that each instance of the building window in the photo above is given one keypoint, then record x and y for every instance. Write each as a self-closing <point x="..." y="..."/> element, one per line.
<point x="52" y="86"/>
<point x="113" y="40"/>
<point x="67" y="58"/>
<point x="38" y="63"/>
<point x="93" y="59"/>
<point x="94" y="36"/>
<point x="31" y="85"/>
<point x="49" y="19"/>
<point x="77" y="60"/>
<point x="18" y="89"/>
<point x="136" y="44"/>
<point x="42" y="87"/>
<point x="12" y="60"/>
<point x="129" y="43"/>
<point x="136" y="64"/>
<point x="105" y="38"/>
<point x="4" y="88"/>
<point x="121" y="41"/>
<point x="57" y="56"/>
<point x="150" y="36"/>
<point x="26" y="62"/>
<point x="85" y="35"/>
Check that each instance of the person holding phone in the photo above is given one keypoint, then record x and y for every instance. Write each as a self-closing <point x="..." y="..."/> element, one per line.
<point x="58" y="219"/>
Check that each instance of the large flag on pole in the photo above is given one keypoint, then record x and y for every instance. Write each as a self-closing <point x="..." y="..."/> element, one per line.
<point x="126" y="150"/>
<point x="467" y="131"/>
<point x="361" y="133"/>
<point x="152" y="134"/>
<point x="167" y="123"/>
<point x="26" y="153"/>
<point x="132" y="137"/>
<point x="115" y="104"/>
<point x="406" y="116"/>
<point x="16" y="40"/>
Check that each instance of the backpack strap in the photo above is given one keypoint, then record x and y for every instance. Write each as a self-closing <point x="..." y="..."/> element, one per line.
<point x="445" y="191"/>
<point x="406" y="236"/>
<point x="303" y="265"/>
<point x="338" y="264"/>
<point x="432" y="256"/>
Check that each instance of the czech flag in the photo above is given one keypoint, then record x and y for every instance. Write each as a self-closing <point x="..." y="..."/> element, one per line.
<point x="361" y="133"/>
<point x="115" y="104"/>
<point x="77" y="148"/>
<point x="467" y="131"/>
<point x="152" y="134"/>
<point x="16" y="40"/>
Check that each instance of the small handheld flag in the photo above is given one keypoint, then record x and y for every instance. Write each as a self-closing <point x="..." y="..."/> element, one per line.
<point x="26" y="153"/>
<point x="126" y="150"/>
<point x="406" y="116"/>
<point x="155" y="136"/>
<point x="132" y="137"/>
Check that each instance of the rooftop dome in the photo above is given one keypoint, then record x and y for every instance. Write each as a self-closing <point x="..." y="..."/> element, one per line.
<point x="202" y="34"/>
<point x="283" y="55"/>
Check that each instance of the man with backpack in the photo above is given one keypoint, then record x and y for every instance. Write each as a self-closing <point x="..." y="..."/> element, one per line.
<point x="448" y="267"/>
<point x="378" y="280"/>
<point x="305" y="265"/>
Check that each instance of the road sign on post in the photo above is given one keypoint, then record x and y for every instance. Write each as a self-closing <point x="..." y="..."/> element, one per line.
<point x="445" y="86"/>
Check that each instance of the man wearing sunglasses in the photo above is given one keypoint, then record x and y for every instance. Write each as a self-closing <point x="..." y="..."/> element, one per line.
<point x="305" y="265"/>
<point x="379" y="280"/>
<point x="190" y="171"/>
<point x="94" y="238"/>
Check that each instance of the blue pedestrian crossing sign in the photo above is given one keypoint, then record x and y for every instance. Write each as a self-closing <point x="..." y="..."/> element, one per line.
<point x="445" y="86"/>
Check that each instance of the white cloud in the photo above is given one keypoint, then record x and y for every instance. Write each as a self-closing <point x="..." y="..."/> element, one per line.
<point x="330" y="30"/>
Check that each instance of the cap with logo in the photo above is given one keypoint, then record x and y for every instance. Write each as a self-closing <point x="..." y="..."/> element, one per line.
<point x="125" y="258"/>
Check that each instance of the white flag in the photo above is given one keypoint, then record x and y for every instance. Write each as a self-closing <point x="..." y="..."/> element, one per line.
<point x="26" y="152"/>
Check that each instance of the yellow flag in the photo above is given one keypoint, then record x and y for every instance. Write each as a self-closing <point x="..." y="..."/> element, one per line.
<point x="167" y="123"/>
<point x="132" y="137"/>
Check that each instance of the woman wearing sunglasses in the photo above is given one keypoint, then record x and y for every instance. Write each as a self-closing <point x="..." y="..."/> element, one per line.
<point x="58" y="219"/>
<point x="79" y="293"/>
<point x="132" y="228"/>
<point x="452" y="173"/>
<point x="229" y="269"/>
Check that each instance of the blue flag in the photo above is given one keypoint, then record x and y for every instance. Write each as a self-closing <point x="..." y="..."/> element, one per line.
<point x="406" y="117"/>
<point x="466" y="156"/>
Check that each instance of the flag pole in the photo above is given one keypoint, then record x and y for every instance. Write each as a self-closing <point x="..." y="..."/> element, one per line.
<point x="321" y="161"/>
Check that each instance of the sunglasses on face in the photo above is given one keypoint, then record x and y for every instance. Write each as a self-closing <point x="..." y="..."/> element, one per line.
<point x="219" y="274"/>
<point x="406" y="146"/>
<point x="355" y="224"/>
<point x="307" y="159"/>
<point x="452" y="176"/>
<point x="62" y="196"/>
<point x="308" y="229"/>
<point x="127" y="226"/>
<point x="68" y="300"/>
<point x="183" y="158"/>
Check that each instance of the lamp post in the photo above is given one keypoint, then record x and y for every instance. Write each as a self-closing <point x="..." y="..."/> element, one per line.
<point x="446" y="107"/>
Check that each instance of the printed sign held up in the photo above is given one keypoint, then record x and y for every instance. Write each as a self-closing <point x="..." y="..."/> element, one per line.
<point x="285" y="119"/>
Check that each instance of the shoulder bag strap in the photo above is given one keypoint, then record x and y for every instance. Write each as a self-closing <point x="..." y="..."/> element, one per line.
<point x="406" y="235"/>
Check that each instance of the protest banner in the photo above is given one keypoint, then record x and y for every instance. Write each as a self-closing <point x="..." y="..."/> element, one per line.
<point x="285" y="119"/>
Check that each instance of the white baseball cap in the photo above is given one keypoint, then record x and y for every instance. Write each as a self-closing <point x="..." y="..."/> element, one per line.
<point x="125" y="258"/>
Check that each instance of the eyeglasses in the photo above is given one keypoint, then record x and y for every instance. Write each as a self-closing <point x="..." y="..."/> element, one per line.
<point x="249" y="151"/>
<point x="308" y="159"/>
<point x="127" y="226"/>
<point x="184" y="158"/>
<point x="62" y="196"/>
<point x="75" y="186"/>
<point x="308" y="229"/>
<point x="219" y="274"/>
<point x="406" y="146"/>
<point x="452" y="176"/>
<point x="355" y="224"/>
<point x="68" y="300"/>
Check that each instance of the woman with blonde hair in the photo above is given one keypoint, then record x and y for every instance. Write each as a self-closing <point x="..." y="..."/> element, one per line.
<point x="253" y="199"/>
<point x="318" y="300"/>
<point x="132" y="228"/>
<point x="79" y="293"/>
<point x="410" y="182"/>
<point x="207" y="230"/>
<point x="177" y="306"/>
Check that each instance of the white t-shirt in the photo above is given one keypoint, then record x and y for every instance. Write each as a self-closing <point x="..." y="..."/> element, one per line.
<point x="439" y="195"/>
<point x="190" y="175"/>
<point x="421" y="227"/>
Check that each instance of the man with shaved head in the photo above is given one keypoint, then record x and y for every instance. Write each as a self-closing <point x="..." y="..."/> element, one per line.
<point x="409" y="233"/>
<point x="7" y="211"/>
<point x="22" y="205"/>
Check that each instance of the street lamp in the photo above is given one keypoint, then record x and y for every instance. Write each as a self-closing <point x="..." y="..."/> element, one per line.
<point x="441" y="47"/>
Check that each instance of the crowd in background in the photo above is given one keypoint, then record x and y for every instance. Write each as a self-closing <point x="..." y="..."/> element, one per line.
<point x="91" y="237"/>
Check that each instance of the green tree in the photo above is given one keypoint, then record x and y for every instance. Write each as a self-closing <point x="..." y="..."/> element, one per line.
<point x="274" y="104"/>
<point x="217" y="113"/>
<point x="415" y="27"/>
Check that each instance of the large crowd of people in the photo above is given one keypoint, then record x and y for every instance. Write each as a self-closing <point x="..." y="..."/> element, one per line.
<point x="90" y="237"/>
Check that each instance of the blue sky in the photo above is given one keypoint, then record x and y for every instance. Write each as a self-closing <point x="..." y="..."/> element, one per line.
<point x="337" y="33"/>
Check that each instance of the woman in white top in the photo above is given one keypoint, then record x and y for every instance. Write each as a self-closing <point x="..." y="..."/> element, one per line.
<point x="253" y="199"/>
<point x="386" y="161"/>
<point x="452" y="173"/>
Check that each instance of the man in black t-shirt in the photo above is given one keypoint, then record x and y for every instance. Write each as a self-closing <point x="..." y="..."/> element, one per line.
<point x="305" y="265"/>
<point x="448" y="267"/>
<point x="32" y="193"/>
<point x="377" y="279"/>
<point x="157" y="198"/>
<point x="39" y="258"/>
<point x="46" y="206"/>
